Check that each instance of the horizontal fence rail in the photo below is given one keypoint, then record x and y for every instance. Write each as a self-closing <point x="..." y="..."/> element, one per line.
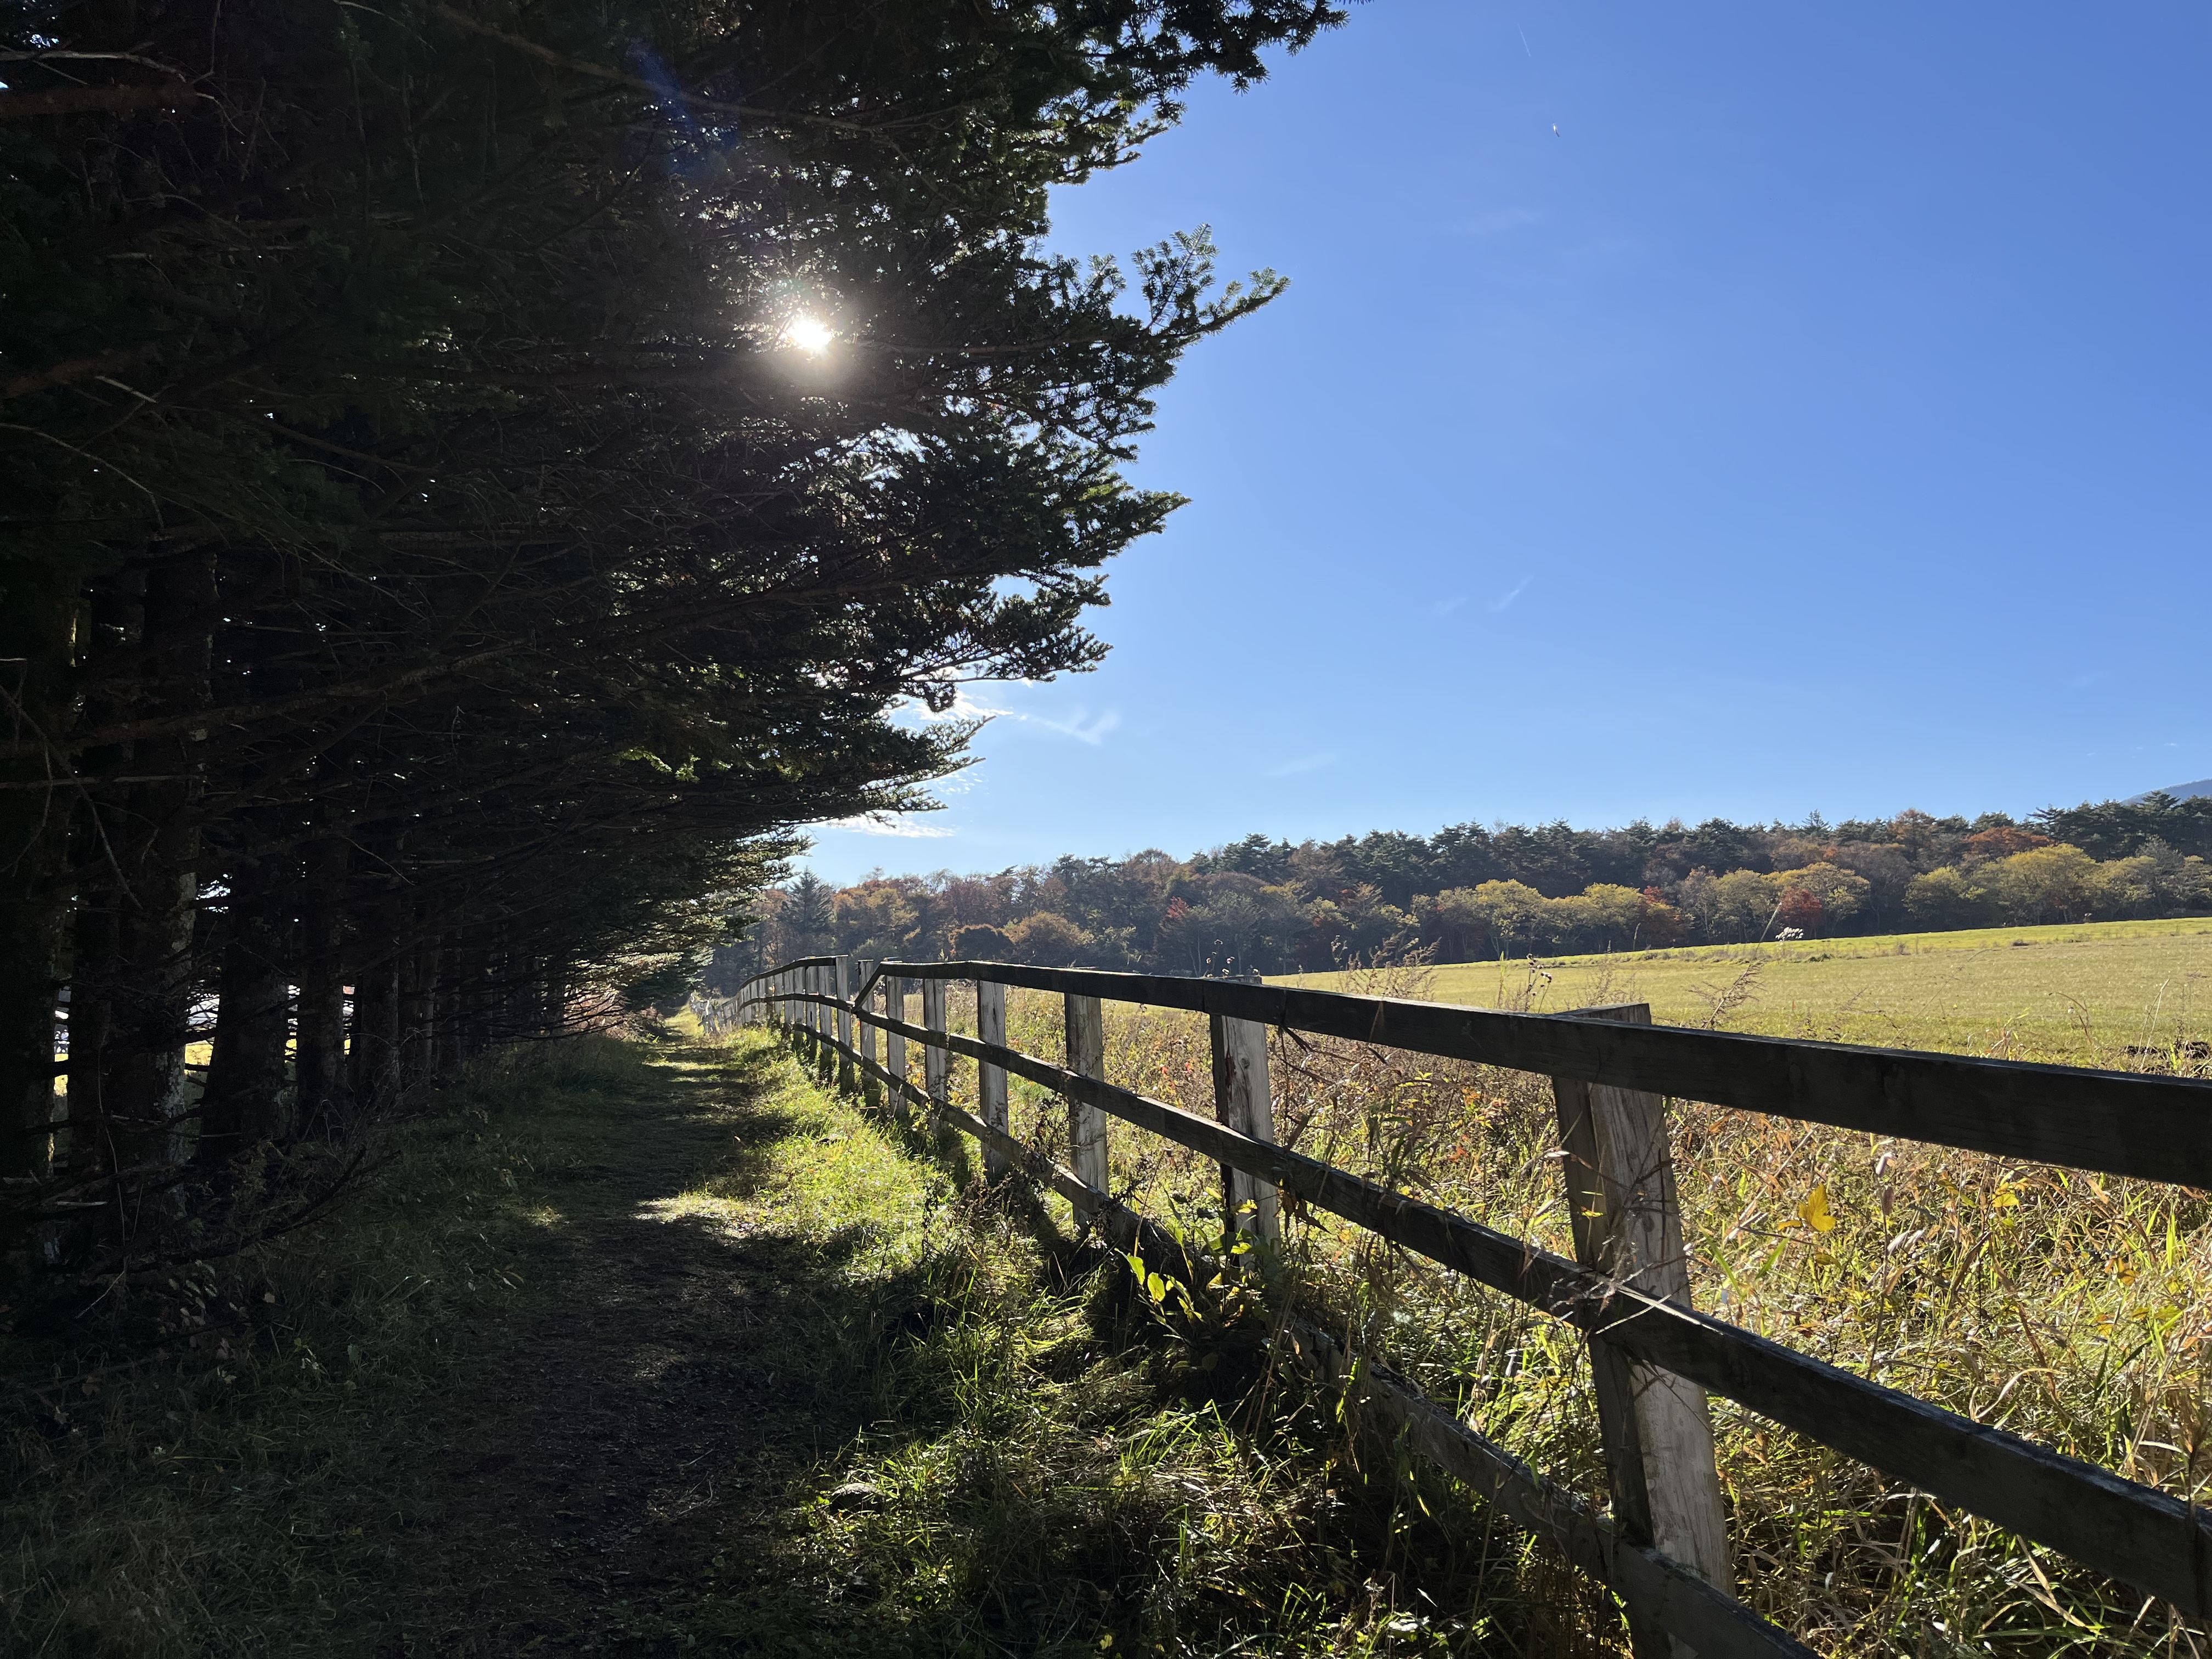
<point x="1639" y="1329"/>
<point x="2120" y="1123"/>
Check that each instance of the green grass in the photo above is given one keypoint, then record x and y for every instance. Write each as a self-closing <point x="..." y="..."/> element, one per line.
<point x="212" y="1462"/>
<point x="1057" y="1466"/>
<point x="2099" y="993"/>
<point x="648" y="1349"/>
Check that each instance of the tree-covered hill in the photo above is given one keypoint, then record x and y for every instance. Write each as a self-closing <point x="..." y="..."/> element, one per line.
<point x="1469" y="893"/>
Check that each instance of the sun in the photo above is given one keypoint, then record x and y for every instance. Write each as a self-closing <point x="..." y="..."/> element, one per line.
<point x="809" y="334"/>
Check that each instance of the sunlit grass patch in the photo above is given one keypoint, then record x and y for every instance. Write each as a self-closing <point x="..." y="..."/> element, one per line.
<point x="1057" y="1465"/>
<point x="2130" y="994"/>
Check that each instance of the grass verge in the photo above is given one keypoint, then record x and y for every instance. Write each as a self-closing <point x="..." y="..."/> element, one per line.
<point x="651" y="1350"/>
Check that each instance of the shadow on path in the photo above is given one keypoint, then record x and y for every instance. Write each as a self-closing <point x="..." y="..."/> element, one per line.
<point x="614" y="1479"/>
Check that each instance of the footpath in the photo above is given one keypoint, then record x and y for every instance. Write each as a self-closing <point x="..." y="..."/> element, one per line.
<point x="619" y="1475"/>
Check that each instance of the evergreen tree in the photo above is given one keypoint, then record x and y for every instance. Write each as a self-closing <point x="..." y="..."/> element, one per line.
<point x="479" y="476"/>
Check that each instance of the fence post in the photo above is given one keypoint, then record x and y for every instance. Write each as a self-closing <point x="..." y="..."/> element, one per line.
<point x="841" y="973"/>
<point x="894" y="1042"/>
<point x="991" y="1081"/>
<point x="1657" y="1430"/>
<point x="932" y="1057"/>
<point x="871" y="1091"/>
<point x="1086" y="1124"/>
<point x="1243" y="1102"/>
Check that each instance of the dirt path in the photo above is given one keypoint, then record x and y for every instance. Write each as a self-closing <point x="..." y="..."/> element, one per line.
<point x="614" y="1481"/>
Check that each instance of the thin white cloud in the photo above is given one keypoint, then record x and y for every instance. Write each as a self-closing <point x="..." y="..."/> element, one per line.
<point x="1303" y="763"/>
<point x="1445" y="607"/>
<point x="1081" y="725"/>
<point x="1519" y="588"/>
<point x="888" y="825"/>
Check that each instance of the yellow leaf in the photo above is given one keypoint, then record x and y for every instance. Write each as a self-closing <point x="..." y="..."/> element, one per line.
<point x="1815" y="1213"/>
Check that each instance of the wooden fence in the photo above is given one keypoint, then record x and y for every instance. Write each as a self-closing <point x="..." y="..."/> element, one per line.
<point x="1664" y="1548"/>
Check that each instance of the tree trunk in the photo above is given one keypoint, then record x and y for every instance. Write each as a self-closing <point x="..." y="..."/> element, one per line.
<point x="484" y="994"/>
<point x="418" y="975"/>
<point x="38" y="606"/>
<point x="372" y="1061"/>
<point x="318" y="1055"/>
<point x="143" y="1081"/>
<point x="106" y="651"/>
<point x="245" y="1100"/>
<point x="553" y="1009"/>
<point x="456" y="994"/>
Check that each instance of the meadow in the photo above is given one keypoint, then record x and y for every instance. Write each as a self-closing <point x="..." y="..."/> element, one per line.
<point x="2099" y="993"/>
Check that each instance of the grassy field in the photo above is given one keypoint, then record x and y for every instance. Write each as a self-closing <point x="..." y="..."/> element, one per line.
<point x="2113" y="993"/>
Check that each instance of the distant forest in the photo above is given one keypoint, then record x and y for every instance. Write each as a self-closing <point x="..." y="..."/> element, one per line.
<point x="1470" y="893"/>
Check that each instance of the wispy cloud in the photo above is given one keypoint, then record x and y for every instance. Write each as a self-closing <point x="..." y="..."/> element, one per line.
<point x="1303" y="763"/>
<point x="1081" y="725"/>
<point x="888" y="825"/>
<point x="1445" y="607"/>
<point x="1519" y="588"/>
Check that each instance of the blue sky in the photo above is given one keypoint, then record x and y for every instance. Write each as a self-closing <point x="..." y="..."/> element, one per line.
<point x="1820" y="418"/>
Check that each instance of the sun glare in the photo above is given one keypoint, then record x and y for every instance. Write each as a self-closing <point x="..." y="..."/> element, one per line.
<point x="808" y="334"/>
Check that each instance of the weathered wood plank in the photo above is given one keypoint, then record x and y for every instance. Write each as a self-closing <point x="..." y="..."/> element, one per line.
<point x="1244" y="1101"/>
<point x="991" y="1081"/>
<point x="1656" y="1430"/>
<point x="935" y="1076"/>
<point x="2157" y="1129"/>
<point x="871" y="1091"/>
<point x="841" y="987"/>
<point x="1086" y="1057"/>
<point x="894" y="990"/>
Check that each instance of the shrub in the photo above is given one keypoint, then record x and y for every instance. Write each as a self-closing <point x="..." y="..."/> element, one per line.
<point x="981" y="942"/>
<point x="1946" y="897"/>
<point x="1047" y="940"/>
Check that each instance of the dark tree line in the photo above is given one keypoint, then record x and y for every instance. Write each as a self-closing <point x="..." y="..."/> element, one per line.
<point x="477" y="473"/>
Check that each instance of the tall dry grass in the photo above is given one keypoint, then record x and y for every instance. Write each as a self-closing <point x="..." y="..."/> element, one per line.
<point x="2072" y="1308"/>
